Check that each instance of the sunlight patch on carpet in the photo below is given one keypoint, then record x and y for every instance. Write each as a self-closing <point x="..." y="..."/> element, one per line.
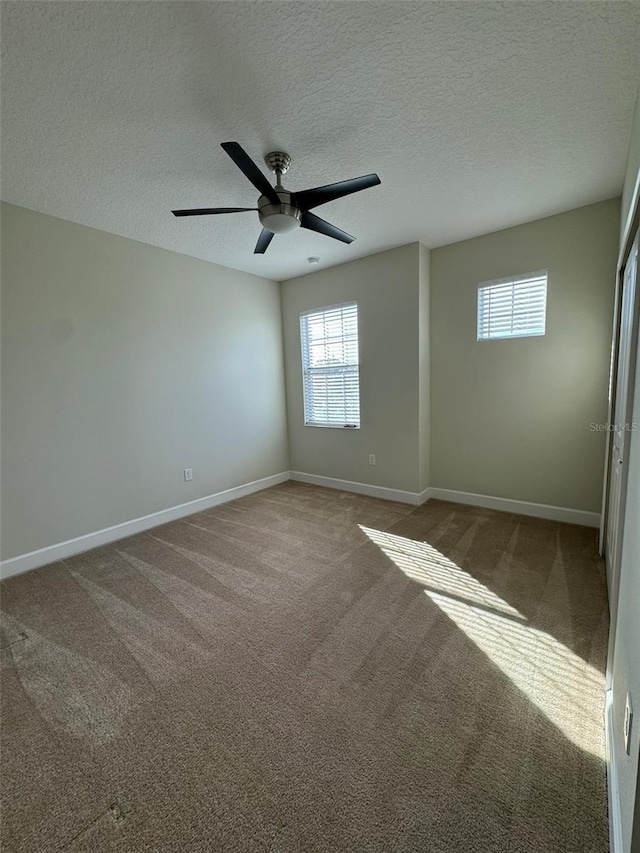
<point x="568" y="691"/>
<point x="426" y="565"/>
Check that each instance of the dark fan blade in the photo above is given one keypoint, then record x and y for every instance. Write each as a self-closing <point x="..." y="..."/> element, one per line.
<point x="246" y="165"/>
<point x="308" y="199"/>
<point x="202" y="211"/>
<point x="314" y="223"/>
<point x="263" y="242"/>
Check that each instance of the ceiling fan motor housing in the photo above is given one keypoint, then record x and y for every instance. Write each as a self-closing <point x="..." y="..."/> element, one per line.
<point x="279" y="218"/>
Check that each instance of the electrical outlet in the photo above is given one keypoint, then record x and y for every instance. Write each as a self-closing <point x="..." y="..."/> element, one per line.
<point x="628" y="720"/>
<point x="188" y="474"/>
<point x="372" y="459"/>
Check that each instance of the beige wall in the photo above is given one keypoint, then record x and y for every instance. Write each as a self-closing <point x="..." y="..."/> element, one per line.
<point x="633" y="167"/>
<point x="123" y="364"/>
<point x="385" y="286"/>
<point x="512" y="418"/>
<point x="625" y="672"/>
<point x="424" y="383"/>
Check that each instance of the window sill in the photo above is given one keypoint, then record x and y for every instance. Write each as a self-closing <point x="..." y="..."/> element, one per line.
<point x="334" y="426"/>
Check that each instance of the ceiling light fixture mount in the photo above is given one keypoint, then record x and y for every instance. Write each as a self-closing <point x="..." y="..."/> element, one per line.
<point x="278" y="162"/>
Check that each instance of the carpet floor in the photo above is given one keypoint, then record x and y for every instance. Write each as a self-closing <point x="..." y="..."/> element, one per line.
<point x="310" y="670"/>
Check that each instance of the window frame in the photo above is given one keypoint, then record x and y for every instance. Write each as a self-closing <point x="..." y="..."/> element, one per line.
<point x="307" y="313"/>
<point x="513" y="280"/>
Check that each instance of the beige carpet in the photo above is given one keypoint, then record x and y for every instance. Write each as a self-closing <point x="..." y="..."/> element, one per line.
<point x="309" y="670"/>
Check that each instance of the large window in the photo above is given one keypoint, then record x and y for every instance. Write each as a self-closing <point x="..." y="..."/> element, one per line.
<point x="329" y="340"/>
<point x="512" y="307"/>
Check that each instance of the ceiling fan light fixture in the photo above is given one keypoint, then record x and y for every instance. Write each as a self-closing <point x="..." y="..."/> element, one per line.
<point x="279" y="218"/>
<point x="280" y="223"/>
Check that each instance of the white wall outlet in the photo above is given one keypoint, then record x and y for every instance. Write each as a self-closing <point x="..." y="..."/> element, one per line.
<point x="628" y="720"/>
<point x="372" y="459"/>
<point x="188" y="474"/>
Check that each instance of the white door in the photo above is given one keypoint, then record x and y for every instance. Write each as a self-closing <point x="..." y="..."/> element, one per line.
<point x="621" y="426"/>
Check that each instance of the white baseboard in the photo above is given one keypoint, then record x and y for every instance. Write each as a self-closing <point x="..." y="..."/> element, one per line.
<point x="553" y="513"/>
<point x="414" y="498"/>
<point x="613" y="791"/>
<point x="44" y="556"/>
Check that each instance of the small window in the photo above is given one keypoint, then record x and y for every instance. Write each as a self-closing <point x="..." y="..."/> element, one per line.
<point x="330" y="373"/>
<point x="512" y="307"/>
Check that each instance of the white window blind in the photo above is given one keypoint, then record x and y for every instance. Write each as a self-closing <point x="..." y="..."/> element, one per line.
<point x="512" y="307"/>
<point x="329" y="340"/>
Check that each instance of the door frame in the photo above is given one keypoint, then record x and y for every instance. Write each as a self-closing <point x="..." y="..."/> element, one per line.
<point x="631" y="227"/>
<point x="628" y="236"/>
<point x="623" y="414"/>
<point x="629" y="232"/>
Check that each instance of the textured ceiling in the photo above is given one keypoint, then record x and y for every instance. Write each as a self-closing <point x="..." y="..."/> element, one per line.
<point x="476" y="116"/>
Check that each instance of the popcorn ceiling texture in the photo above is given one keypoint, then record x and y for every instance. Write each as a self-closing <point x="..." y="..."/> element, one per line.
<point x="477" y="116"/>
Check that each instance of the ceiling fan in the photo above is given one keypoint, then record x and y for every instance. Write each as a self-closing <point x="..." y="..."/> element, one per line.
<point x="279" y="210"/>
